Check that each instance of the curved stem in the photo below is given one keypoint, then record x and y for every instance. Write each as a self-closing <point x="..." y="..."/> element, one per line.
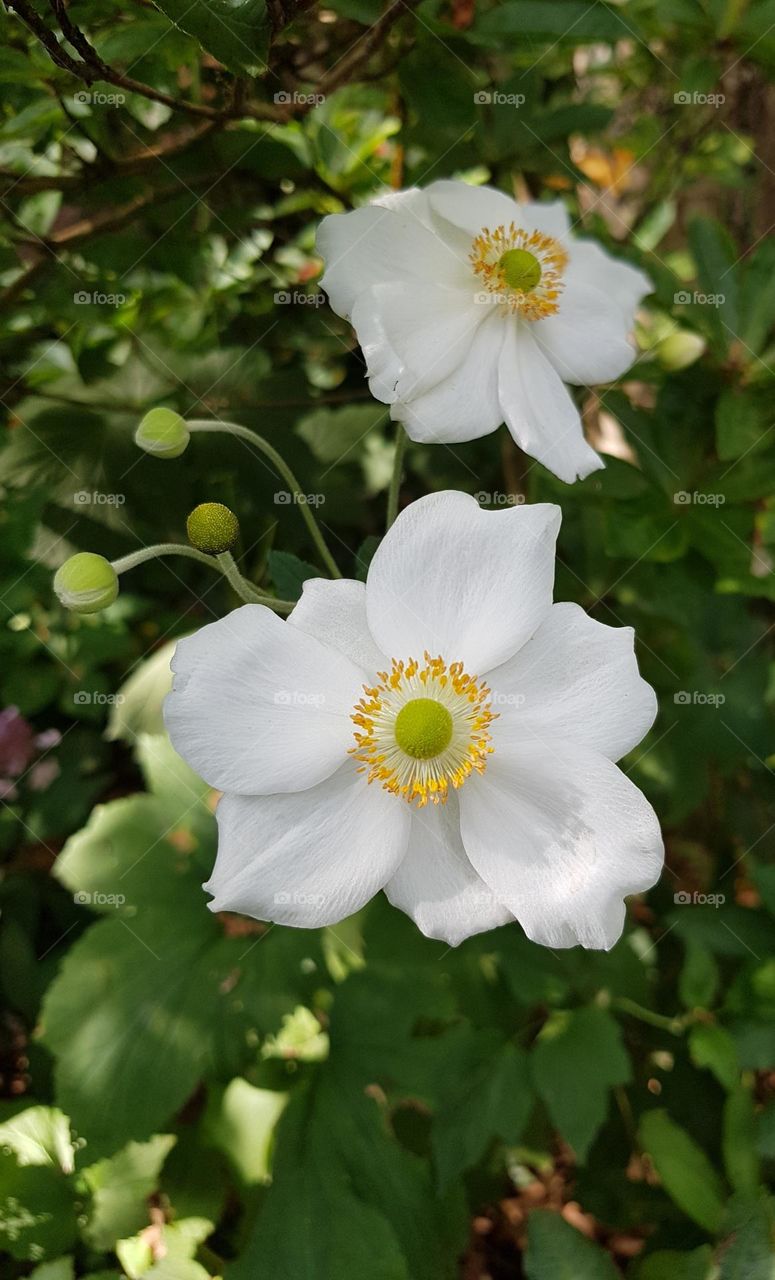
<point x="223" y="563"/>
<point x="395" y="479"/>
<point x="281" y="466"/>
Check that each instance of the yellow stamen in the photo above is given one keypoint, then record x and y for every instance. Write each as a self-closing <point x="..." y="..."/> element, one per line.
<point x="423" y="729"/>
<point x="522" y="269"/>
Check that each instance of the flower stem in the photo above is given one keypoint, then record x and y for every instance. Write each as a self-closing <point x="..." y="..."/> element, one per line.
<point x="281" y="466"/>
<point x="676" y="1026"/>
<point x="224" y="563"/>
<point x="395" y="479"/>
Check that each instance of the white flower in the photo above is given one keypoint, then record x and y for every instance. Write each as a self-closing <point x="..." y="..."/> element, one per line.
<point x="473" y="310"/>
<point x="443" y="732"/>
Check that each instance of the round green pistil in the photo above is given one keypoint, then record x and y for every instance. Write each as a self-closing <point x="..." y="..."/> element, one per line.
<point x="520" y="269"/>
<point x="423" y="728"/>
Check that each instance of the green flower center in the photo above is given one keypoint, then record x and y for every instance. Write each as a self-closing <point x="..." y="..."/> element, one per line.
<point x="520" y="269"/>
<point x="423" y="728"/>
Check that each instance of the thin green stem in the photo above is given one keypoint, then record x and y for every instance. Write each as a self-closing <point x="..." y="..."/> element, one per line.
<point x="281" y="466"/>
<point x="676" y="1026"/>
<point x="245" y="589"/>
<point x="223" y="563"/>
<point x="395" y="479"/>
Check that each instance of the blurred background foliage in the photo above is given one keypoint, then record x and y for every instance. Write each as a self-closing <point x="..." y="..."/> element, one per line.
<point x="185" y="1095"/>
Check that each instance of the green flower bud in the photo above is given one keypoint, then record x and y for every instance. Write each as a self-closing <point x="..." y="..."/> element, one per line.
<point x="213" y="528"/>
<point x="162" y="433"/>
<point x="679" y="350"/>
<point x="86" y="583"/>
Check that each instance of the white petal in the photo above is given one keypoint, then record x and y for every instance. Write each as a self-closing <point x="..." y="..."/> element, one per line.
<point x="334" y="611"/>
<point x="576" y="680"/>
<point x="465" y="405"/>
<point x="586" y="340"/>
<point x="539" y="410"/>
<point x="308" y="859"/>
<point x="561" y="836"/>
<point x="473" y="208"/>
<point x="384" y="366"/>
<point x="468" y="584"/>
<point x="429" y="328"/>
<point x="436" y="884"/>
<point x="258" y="706"/>
<point x="378" y="244"/>
<point x="623" y="284"/>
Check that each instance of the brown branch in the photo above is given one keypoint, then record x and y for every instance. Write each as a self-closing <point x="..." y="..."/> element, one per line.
<point x="363" y="48"/>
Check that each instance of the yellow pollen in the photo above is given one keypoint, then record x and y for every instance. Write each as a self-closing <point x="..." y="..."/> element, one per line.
<point x="423" y="729"/>
<point x="522" y="269"/>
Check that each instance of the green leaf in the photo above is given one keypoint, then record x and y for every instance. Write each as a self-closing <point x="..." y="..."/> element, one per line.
<point x="713" y="1047"/>
<point x="686" y="1172"/>
<point x="241" y="1122"/>
<point x="749" y="1253"/>
<point x="715" y="255"/>
<point x="739" y="1142"/>
<point x="578" y="1058"/>
<point x="557" y="1251"/>
<point x="571" y="21"/>
<point x="235" y="31"/>
<point x="37" y="1210"/>
<point x="338" y="435"/>
<point x="60" y="1269"/>
<point x="486" y="1093"/>
<point x="699" y="978"/>
<point x="39" y="1135"/>
<point x="289" y="573"/>
<point x="743" y="422"/>
<point x="668" y="1264"/>
<point x="120" y="1188"/>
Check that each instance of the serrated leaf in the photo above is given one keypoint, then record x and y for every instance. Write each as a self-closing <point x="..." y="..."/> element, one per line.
<point x="120" y="1188"/>
<point x="289" y="573"/>
<point x="236" y="31"/>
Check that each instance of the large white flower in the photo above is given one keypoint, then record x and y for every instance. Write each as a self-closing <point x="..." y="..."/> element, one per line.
<point x="473" y="310"/>
<point x="443" y="732"/>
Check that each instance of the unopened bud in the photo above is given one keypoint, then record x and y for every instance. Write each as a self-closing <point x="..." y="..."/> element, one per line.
<point x="213" y="528"/>
<point x="86" y="583"/>
<point x="162" y="433"/>
<point x="680" y="350"/>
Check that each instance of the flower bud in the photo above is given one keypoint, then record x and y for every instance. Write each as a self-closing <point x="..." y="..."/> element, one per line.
<point x="162" y="433"/>
<point x="86" y="583"/>
<point x="213" y="528"/>
<point x="679" y="350"/>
